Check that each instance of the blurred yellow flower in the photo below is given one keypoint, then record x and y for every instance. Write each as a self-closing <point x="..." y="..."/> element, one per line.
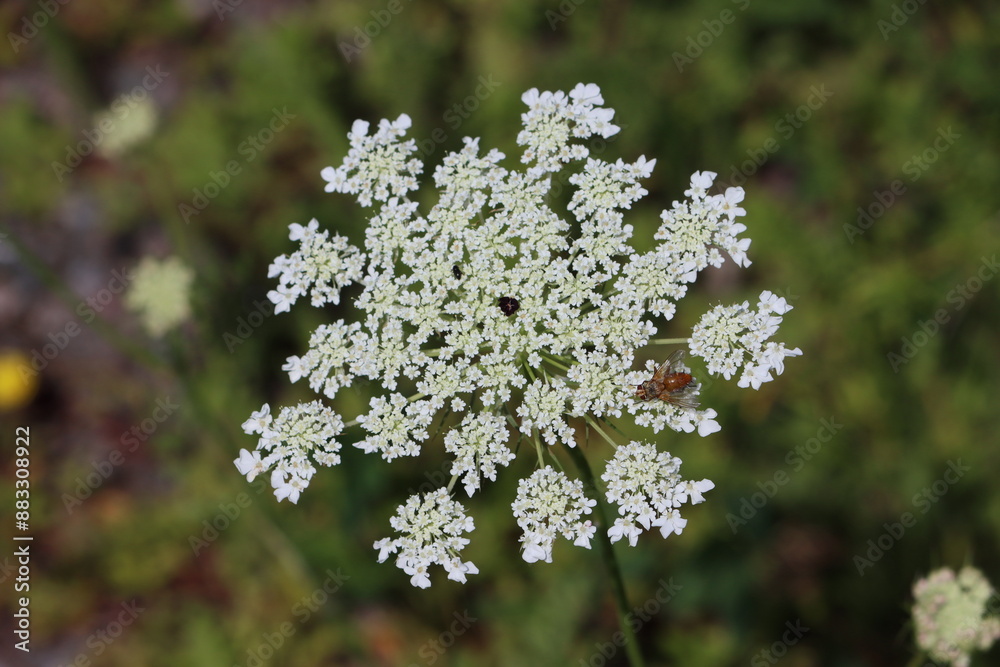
<point x="17" y="387"/>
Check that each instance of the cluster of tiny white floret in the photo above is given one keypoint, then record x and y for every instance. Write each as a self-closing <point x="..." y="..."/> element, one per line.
<point x="733" y="337"/>
<point x="948" y="613"/>
<point x="322" y="265"/>
<point x="553" y="119"/>
<point x="494" y="315"/>
<point x="695" y="232"/>
<point x="300" y="431"/>
<point x="479" y="445"/>
<point x="550" y="504"/>
<point x="395" y="426"/>
<point x="647" y="487"/>
<point x="432" y="529"/>
<point x="377" y="166"/>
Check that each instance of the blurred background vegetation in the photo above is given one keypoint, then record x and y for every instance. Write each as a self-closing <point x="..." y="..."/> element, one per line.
<point x="817" y="108"/>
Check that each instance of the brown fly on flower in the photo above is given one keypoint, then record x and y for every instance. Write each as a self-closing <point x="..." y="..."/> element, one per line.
<point x="670" y="386"/>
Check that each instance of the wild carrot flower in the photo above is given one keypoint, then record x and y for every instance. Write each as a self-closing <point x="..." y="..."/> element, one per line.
<point x="517" y="320"/>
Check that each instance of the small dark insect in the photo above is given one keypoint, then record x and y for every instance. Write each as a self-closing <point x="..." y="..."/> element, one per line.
<point x="509" y="305"/>
<point x="669" y="387"/>
<point x="457" y="272"/>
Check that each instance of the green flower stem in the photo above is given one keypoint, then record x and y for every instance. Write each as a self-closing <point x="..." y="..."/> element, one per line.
<point x="555" y="361"/>
<point x="538" y="448"/>
<point x="668" y="341"/>
<point x="275" y="539"/>
<point x="608" y="556"/>
<point x="594" y="424"/>
<point x="55" y="283"/>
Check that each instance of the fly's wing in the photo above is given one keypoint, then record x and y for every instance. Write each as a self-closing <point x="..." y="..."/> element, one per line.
<point x="664" y="369"/>
<point x="683" y="399"/>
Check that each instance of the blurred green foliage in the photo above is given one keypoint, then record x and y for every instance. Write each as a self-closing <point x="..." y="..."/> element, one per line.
<point x="736" y="102"/>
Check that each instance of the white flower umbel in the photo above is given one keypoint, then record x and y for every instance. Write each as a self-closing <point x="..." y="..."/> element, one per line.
<point x="396" y="425"/>
<point x="948" y="615"/>
<point x="376" y="166"/>
<point x="300" y="432"/>
<point x="550" y="504"/>
<point x="695" y="232"/>
<point x="432" y="529"/>
<point x="647" y="487"/>
<point x="479" y="444"/>
<point x="323" y="265"/>
<point x="553" y="119"/>
<point x="731" y="338"/>
<point x="495" y="312"/>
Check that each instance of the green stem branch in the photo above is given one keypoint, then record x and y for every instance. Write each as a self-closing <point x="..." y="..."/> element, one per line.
<point x="538" y="449"/>
<point x="610" y="561"/>
<point x="73" y="302"/>
<point x="609" y="439"/>
<point x="555" y="361"/>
